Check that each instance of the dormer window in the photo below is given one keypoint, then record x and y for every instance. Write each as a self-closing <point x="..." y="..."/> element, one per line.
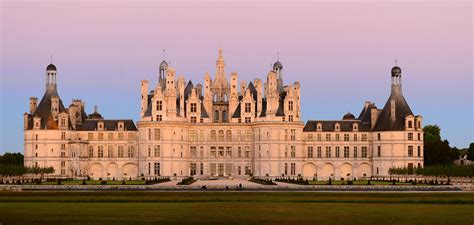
<point x="410" y="124"/>
<point x="120" y="126"/>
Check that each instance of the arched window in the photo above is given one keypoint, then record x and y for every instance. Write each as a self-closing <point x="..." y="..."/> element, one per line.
<point x="228" y="135"/>
<point x="216" y="116"/>
<point x="221" y="135"/>
<point x="215" y="98"/>
<point x="213" y="135"/>
<point x="224" y="117"/>
<point x="225" y="98"/>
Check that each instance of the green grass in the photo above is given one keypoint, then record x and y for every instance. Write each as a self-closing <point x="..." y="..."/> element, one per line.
<point x="94" y="182"/>
<point x="360" y="182"/>
<point x="235" y="208"/>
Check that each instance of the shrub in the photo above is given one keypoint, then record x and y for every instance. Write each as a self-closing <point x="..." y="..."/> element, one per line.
<point x="349" y="182"/>
<point x="84" y="182"/>
<point x="104" y="182"/>
<point x="59" y="182"/>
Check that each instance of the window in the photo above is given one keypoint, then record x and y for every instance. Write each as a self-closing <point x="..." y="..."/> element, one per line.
<point x="157" y="134"/>
<point x="310" y="137"/>
<point x="159" y="118"/>
<point x="410" y="151"/>
<point x="193" y="135"/>
<point x="63" y="154"/>
<point x="228" y="152"/>
<point x="293" y="169"/>
<point x="290" y="106"/>
<point x="110" y="151"/>
<point x="286" y="168"/>
<point x="247" y="152"/>
<point x="410" y="124"/>
<point x="131" y="136"/>
<point x="192" y="151"/>
<point x="239" y="152"/>
<point x="355" y="151"/>
<point x="319" y="151"/>
<point x="110" y="136"/>
<point x="355" y="137"/>
<point x="328" y="137"/>
<point x="100" y="151"/>
<point x="120" y="151"/>
<point x="346" y="137"/>
<point x="63" y="122"/>
<point x="221" y="135"/>
<point x="213" y="135"/>
<point x="247" y="107"/>
<point x="120" y="136"/>
<point x="213" y="152"/>
<point x="337" y="137"/>
<point x="364" y="137"/>
<point x="101" y="136"/>
<point x="221" y="152"/>
<point x="290" y="118"/>
<point x="410" y="136"/>
<point x="201" y="135"/>
<point x="319" y="137"/>
<point x="159" y="105"/>
<point x="63" y="135"/>
<point x="193" y="119"/>
<point x="346" y="151"/>
<point x="419" y="151"/>
<point x="338" y="152"/>
<point x="63" y="163"/>
<point x="293" y="134"/>
<point x="90" y="136"/>
<point x="157" y="151"/>
<point x="157" y="168"/>
<point x="201" y="168"/>
<point x="193" y="107"/>
<point x="192" y="166"/>
<point x="216" y="116"/>
<point x="378" y="137"/>
<point x="364" y="152"/>
<point x="224" y="116"/>
<point x="228" y="135"/>
<point x="63" y="146"/>
<point x="130" y="151"/>
<point x="379" y="151"/>
<point x="248" y="135"/>
<point x="419" y="136"/>
<point x="248" y="120"/>
<point x="63" y="171"/>
<point x="328" y="151"/>
<point x="310" y="151"/>
<point x="293" y="151"/>
<point x="91" y="151"/>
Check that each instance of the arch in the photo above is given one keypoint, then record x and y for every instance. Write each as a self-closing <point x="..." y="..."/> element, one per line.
<point x="226" y="99"/>
<point x="112" y="171"/>
<point x="364" y="170"/>
<point x="228" y="135"/>
<point x="213" y="135"/>
<point x="309" y="170"/>
<point x="346" y="171"/>
<point x="96" y="171"/>
<point x="215" y="98"/>
<point x="129" y="170"/>
<point x="326" y="171"/>
<point x="221" y="135"/>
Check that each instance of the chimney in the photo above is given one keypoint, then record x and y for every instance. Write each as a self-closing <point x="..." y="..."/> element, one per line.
<point x="33" y="104"/>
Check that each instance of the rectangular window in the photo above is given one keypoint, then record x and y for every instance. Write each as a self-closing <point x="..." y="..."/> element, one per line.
<point x="364" y="137"/>
<point x="247" y="152"/>
<point x="193" y="119"/>
<point x="157" y="151"/>
<point x="337" y="137"/>
<point x="286" y="169"/>
<point x="159" y="105"/>
<point x="131" y="136"/>
<point x="419" y="151"/>
<point x="346" y="151"/>
<point x="192" y="167"/>
<point x="319" y="137"/>
<point x="63" y="146"/>
<point x="290" y="118"/>
<point x="110" y="151"/>
<point x="378" y="137"/>
<point x="293" y="151"/>
<point x="193" y="107"/>
<point x="248" y="135"/>
<point x="110" y="136"/>
<point x="193" y="135"/>
<point x="293" y="134"/>
<point x="63" y="135"/>
<point x="355" y="151"/>
<point x="328" y="137"/>
<point x="63" y="154"/>
<point x="410" y="136"/>
<point x="130" y="152"/>
<point x="193" y="151"/>
<point x="310" y="151"/>
<point x="248" y="120"/>
<point x="379" y="151"/>
<point x="100" y="151"/>
<point x="346" y="137"/>
<point x="338" y="152"/>
<point x="310" y="137"/>
<point x="355" y="137"/>
<point x="90" y="136"/>
<point x="247" y="107"/>
<point x="91" y="151"/>
<point x="149" y="150"/>
<point x="290" y="106"/>
<point x="221" y="151"/>
<point x="364" y="152"/>
<point x="101" y="136"/>
<point x="410" y="151"/>
<point x="157" y="134"/>
<point x="328" y="151"/>
<point x="120" y="136"/>
<point x="319" y="152"/>
<point x="239" y="152"/>
<point x="201" y="168"/>
<point x="120" y="151"/>
<point x="63" y="163"/>
<point x="213" y="152"/>
<point x="293" y="169"/>
<point x="157" y="168"/>
<point x="228" y="152"/>
<point x="419" y="136"/>
<point x="159" y="118"/>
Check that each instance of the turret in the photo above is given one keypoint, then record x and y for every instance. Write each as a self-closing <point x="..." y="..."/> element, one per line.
<point x="51" y="73"/>
<point x="144" y="97"/>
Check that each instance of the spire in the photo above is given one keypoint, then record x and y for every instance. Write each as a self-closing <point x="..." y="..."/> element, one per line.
<point x="95" y="109"/>
<point x="220" y="66"/>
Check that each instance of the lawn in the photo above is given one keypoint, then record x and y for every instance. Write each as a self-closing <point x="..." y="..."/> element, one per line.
<point x="235" y="208"/>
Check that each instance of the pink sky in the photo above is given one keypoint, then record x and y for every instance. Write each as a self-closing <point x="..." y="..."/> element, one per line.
<point x="341" y="53"/>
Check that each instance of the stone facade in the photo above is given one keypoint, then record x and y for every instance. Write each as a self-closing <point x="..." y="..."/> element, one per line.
<point x="221" y="129"/>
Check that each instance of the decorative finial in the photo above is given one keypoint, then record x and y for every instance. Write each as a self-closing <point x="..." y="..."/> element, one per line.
<point x="278" y="56"/>
<point x="396" y="61"/>
<point x="164" y="54"/>
<point x="95" y="109"/>
<point x="51" y="59"/>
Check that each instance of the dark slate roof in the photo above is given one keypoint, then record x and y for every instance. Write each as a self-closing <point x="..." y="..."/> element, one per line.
<point x="236" y="112"/>
<point x="148" y="109"/>
<point x="348" y="116"/>
<point x="51" y="67"/>
<point x="187" y="90"/>
<point x="281" y="106"/>
<point x="44" y="110"/>
<point x="109" y="125"/>
<point x="330" y="125"/>
<point x="264" y="108"/>
<point x="384" y="122"/>
<point x="365" y="115"/>
<point x="204" y="112"/>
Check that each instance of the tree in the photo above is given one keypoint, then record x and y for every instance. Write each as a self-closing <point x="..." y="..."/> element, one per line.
<point x="437" y="151"/>
<point x="11" y="159"/>
<point x="470" y="152"/>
